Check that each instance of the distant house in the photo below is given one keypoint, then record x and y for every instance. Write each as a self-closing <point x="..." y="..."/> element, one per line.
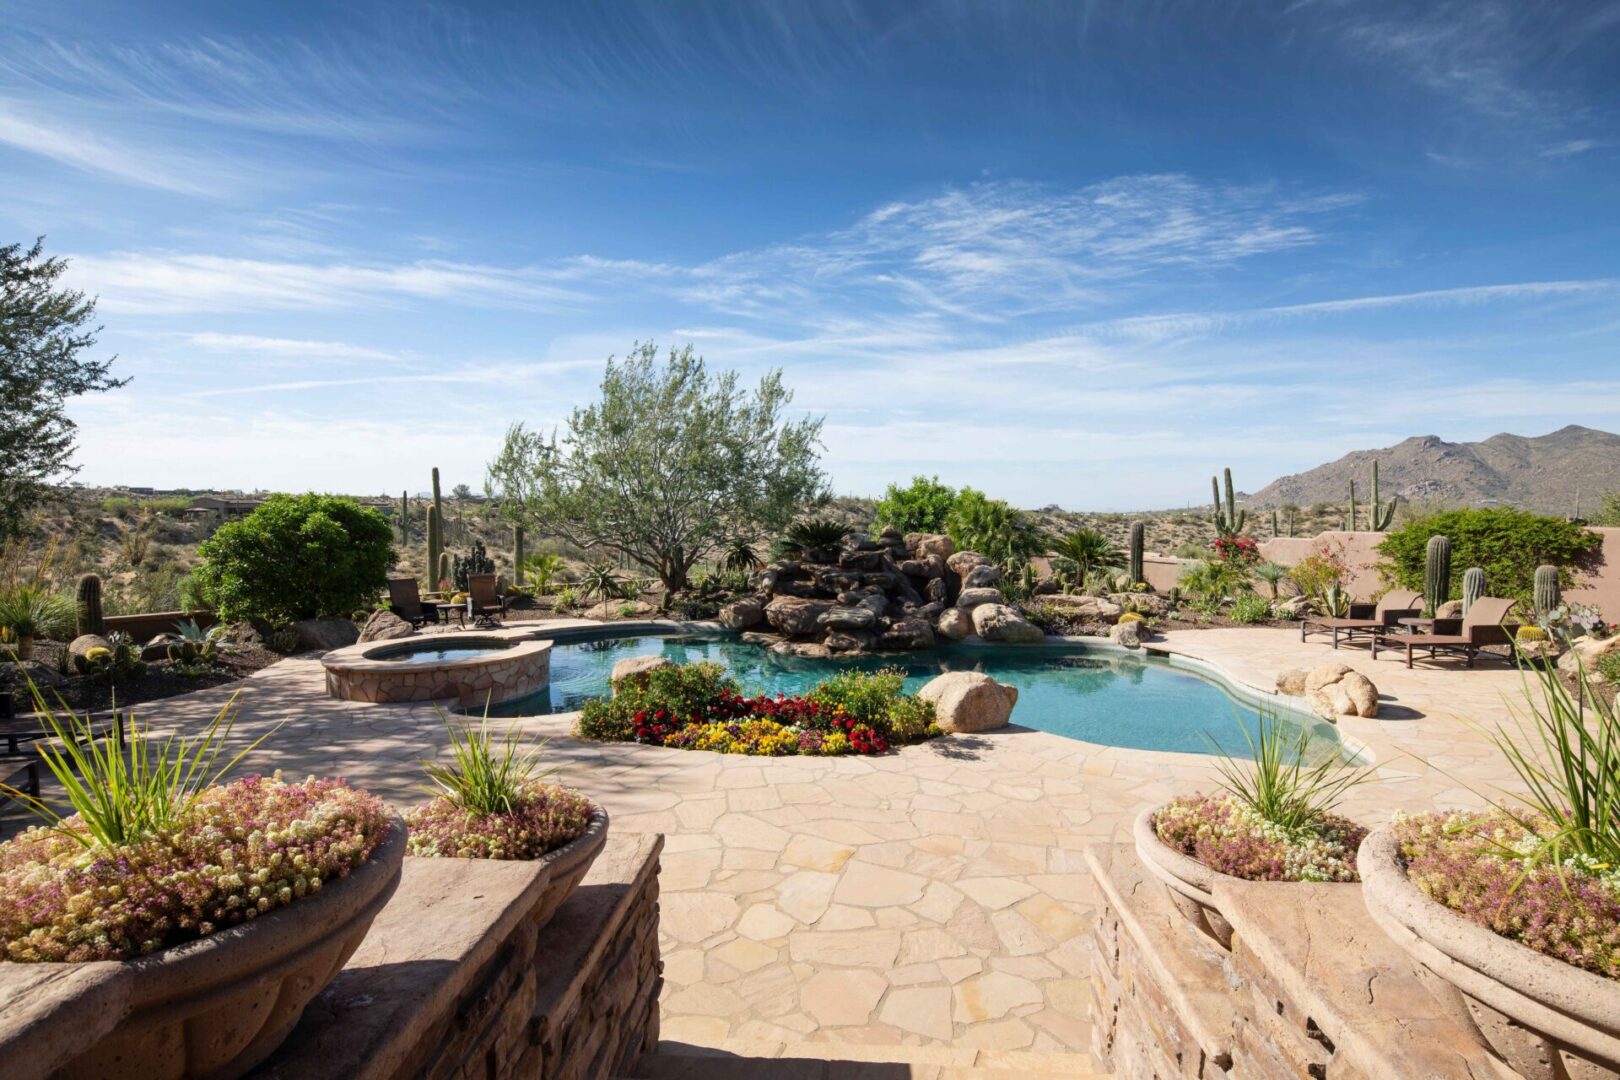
<point x="216" y="510"/>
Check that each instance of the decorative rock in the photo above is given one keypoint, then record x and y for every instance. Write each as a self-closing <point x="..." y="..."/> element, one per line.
<point x="1128" y="634"/>
<point x="1291" y="682"/>
<point x="926" y="566"/>
<point x="840" y="641"/>
<point x="998" y="622"/>
<point x="795" y="615"/>
<point x="83" y="644"/>
<point x="326" y="634"/>
<point x="809" y="650"/>
<point x="925" y="544"/>
<point x="756" y="637"/>
<point x="1324" y="674"/>
<point x="963" y="561"/>
<point x="1334" y="690"/>
<point x="907" y="634"/>
<point x="862" y="561"/>
<point x="972" y="598"/>
<point x="742" y="614"/>
<point x="1451" y="609"/>
<point x="636" y="669"/>
<point x="1292" y="607"/>
<point x="955" y="624"/>
<point x="980" y="577"/>
<point x="1584" y="653"/>
<point x="968" y="701"/>
<point x="848" y="618"/>
<point x="1089" y="608"/>
<point x="385" y="626"/>
<point x="1142" y="603"/>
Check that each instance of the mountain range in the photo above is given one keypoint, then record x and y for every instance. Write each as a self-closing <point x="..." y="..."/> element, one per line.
<point x="1563" y="472"/>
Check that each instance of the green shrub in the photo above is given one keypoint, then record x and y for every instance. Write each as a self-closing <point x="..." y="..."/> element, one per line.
<point x="1251" y="609"/>
<point x="117" y="504"/>
<point x="1608" y="666"/>
<point x="297" y="557"/>
<point x="683" y="691"/>
<point x="878" y="699"/>
<point x="922" y="507"/>
<point x="1508" y="544"/>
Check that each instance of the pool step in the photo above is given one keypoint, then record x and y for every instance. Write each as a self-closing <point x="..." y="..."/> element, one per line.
<point x="742" y="1060"/>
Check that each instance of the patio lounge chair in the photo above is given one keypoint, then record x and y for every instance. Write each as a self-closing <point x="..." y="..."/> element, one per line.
<point x="488" y="606"/>
<point x="406" y="602"/>
<point x="1485" y="624"/>
<point x="1367" y="620"/>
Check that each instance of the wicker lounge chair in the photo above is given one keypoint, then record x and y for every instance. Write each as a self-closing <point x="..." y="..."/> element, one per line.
<point x="1366" y="620"/>
<point x="405" y="601"/>
<point x="1485" y="624"/>
<point x="488" y="606"/>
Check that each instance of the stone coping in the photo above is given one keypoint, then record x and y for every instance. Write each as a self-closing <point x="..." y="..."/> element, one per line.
<point x="365" y="657"/>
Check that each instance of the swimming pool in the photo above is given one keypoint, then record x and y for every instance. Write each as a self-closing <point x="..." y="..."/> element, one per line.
<point x="1134" y="701"/>
<point x="430" y="650"/>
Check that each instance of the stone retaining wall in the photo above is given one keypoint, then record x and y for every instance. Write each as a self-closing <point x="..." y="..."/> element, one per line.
<point x="520" y="669"/>
<point x="455" y="981"/>
<point x="1311" y="988"/>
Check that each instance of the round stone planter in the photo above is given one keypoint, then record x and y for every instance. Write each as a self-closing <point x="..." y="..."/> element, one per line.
<point x="214" y="1008"/>
<point x="1191" y="884"/>
<point x="1546" y="1019"/>
<point x="568" y="865"/>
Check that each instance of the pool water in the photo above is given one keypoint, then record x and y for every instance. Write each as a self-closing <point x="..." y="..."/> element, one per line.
<point x="429" y="651"/>
<point x="1137" y="702"/>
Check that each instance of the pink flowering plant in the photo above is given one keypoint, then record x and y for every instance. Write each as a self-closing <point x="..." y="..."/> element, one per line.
<point x="159" y="851"/>
<point x="1273" y="820"/>
<point x="492" y="801"/>
<point x="1541" y="868"/>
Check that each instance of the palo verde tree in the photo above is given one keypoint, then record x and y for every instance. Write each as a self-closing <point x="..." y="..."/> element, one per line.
<point x="668" y="467"/>
<point x="44" y="332"/>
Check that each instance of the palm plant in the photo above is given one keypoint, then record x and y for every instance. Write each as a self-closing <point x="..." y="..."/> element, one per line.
<point x="1090" y="551"/>
<point x="1280" y="784"/>
<point x="816" y="533"/>
<point x="542" y="569"/>
<point x="1272" y="574"/>
<point x="741" y="556"/>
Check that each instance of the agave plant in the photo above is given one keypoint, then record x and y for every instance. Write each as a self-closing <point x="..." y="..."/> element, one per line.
<point x="740" y="555"/>
<point x="602" y="582"/>
<point x="196" y="645"/>
<point x="815" y="533"/>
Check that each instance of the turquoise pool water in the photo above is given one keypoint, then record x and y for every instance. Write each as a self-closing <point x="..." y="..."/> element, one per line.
<point x="1130" y="701"/>
<point x="430" y="651"/>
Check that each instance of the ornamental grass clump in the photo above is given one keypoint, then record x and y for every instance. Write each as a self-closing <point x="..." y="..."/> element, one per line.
<point x="1273" y="820"/>
<point x="491" y="802"/>
<point x="1543" y="867"/>
<point x="158" y="852"/>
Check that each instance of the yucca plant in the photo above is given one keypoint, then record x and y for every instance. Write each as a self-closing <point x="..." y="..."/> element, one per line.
<point x="484" y="776"/>
<point x="602" y="582"/>
<point x="124" y="789"/>
<point x="32" y="610"/>
<point x="1280" y="784"/>
<point x="1272" y="574"/>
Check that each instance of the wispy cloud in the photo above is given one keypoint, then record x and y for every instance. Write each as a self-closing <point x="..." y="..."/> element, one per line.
<point x="84" y="150"/>
<point x="289" y="348"/>
<point x="1571" y="148"/>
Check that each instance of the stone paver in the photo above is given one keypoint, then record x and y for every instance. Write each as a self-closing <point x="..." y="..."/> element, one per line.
<point x="934" y="895"/>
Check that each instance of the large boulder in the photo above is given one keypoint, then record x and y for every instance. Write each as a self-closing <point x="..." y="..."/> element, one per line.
<point x="848" y="618"/>
<point x="909" y="633"/>
<point x="1451" y="609"/>
<point x="326" y="634"/>
<point x="79" y="646"/>
<point x="968" y="701"/>
<point x="1333" y="690"/>
<point x="795" y="615"/>
<point x="742" y="614"/>
<point x="955" y="624"/>
<point x="862" y="561"/>
<point x="1088" y="608"/>
<point x="1583" y="655"/>
<point x="964" y="561"/>
<point x="982" y="577"/>
<point x="925" y="544"/>
<point x="972" y="598"/>
<point x="384" y="625"/>
<point x="924" y="566"/>
<point x="998" y="622"/>
<point x="634" y="670"/>
<point x="1127" y="633"/>
<point x="1142" y="603"/>
<point x="840" y="641"/>
<point x="1292" y="682"/>
<point x="808" y="650"/>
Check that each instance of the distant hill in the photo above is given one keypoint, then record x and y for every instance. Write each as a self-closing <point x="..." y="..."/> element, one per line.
<point x="1546" y="473"/>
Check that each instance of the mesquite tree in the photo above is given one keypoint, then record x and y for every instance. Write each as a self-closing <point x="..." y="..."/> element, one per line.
<point x="669" y="466"/>
<point x="43" y="331"/>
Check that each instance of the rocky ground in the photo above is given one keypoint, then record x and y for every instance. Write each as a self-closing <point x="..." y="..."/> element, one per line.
<point x="91" y="693"/>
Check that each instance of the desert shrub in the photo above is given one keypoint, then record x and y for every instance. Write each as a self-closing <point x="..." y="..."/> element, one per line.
<point x="1608" y="666"/>
<point x="877" y="699"/>
<point x="297" y="557"/>
<point x="1508" y="544"/>
<point x="1321" y="570"/>
<point x="682" y="694"/>
<point x="1251" y="609"/>
<point x="922" y="507"/>
<point x="118" y="505"/>
<point x="33" y="610"/>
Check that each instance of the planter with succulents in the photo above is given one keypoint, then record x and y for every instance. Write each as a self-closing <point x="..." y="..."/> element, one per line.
<point x="1514" y="911"/>
<point x="493" y="804"/>
<point x="223" y="908"/>
<point x="1272" y="820"/>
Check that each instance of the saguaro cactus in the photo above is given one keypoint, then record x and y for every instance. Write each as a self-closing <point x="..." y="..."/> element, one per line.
<point x="1436" y="573"/>
<point x="1379" y="515"/>
<point x="1134" y="566"/>
<point x="404" y="517"/>
<point x="1350" y="522"/>
<point x="446" y="571"/>
<point x="1473" y="586"/>
<point x="1230" y="521"/>
<point x="1546" y="590"/>
<point x="435" y="527"/>
<point x="517" y="551"/>
<point x="87" y="606"/>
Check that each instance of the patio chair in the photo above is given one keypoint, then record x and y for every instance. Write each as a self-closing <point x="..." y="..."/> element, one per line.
<point x="405" y="601"/>
<point x="488" y="606"/>
<point x="1485" y="624"/>
<point x="17" y="744"/>
<point x="1366" y="620"/>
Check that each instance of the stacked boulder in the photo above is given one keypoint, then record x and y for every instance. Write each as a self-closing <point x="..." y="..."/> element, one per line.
<point x="885" y="594"/>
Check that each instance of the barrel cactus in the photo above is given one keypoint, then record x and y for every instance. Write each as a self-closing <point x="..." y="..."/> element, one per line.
<point x="1436" y="573"/>
<point x="87" y="606"/>
<point x="1473" y="587"/>
<point x="1546" y="589"/>
<point x="1134" y="563"/>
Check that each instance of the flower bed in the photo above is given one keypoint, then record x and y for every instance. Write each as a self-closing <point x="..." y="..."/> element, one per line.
<point x="699" y="707"/>
<point x="241" y="850"/>
<point x="543" y="818"/>
<point x="1480" y="865"/>
<point x="1220" y="832"/>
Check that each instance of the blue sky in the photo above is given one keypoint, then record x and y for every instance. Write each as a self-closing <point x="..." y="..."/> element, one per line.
<point x="1070" y="253"/>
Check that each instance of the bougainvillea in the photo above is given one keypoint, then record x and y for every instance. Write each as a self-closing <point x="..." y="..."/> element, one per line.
<point x="1228" y="837"/>
<point x="1242" y="550"/>
<point x="1481" y="866"/>
<point x="544" y="818"/>
<point x="244" y="849"/>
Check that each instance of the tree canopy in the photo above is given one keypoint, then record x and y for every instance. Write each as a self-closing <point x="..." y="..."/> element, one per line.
<point x="922" y="507"/>
<point x="44" y="330"/>
<point x="1507" y="544"/>
<point x="669" y="466"/>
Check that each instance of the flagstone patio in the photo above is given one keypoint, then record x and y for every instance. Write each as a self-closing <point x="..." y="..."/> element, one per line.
<point x="932" y="896"/>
